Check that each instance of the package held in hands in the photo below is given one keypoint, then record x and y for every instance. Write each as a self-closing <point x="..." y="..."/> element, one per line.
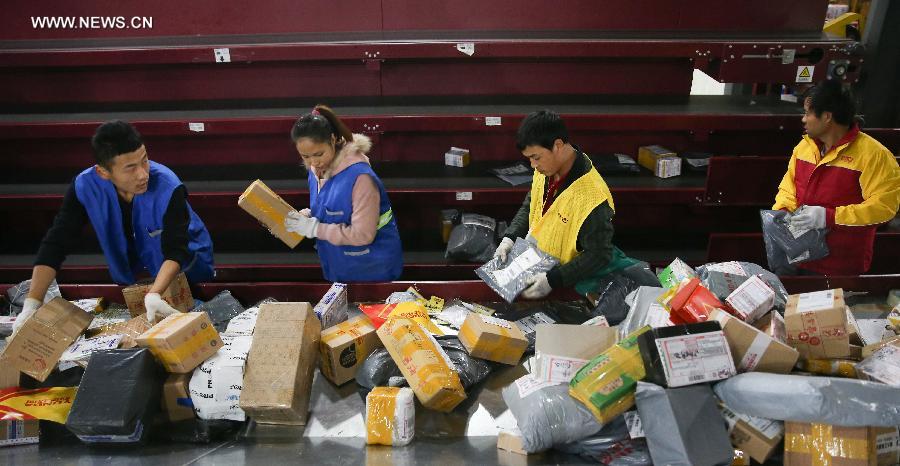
<point x="118" y="397"/>
<point x="816" y="324"/>
<point x="270" y="210"/>
<point x="686" y="354"/>
<point x="390" y="416"/>
<point x="181" y="342"/>
<point x="332" y="308"/>
<point x="424" y="364"/>
<point x="752" y="349"/>
<point x="36" y="348"/>
<point x="661" y="161"/>
<point x="281" y="363"/>
<point x="344" y="347"/>
<point x="606" y="384"/>
<point x="493" y="339"/>
<point x="178" y="295"/>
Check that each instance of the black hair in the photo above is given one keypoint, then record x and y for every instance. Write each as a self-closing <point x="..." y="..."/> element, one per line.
<point x="541" y="128"/>
<point x="114" y="138"/>
<point x="319" y="125"/>
<point x="831" y="96"/>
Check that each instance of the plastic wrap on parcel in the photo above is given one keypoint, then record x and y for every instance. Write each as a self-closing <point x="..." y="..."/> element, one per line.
<point x="473" y="239"/>
<point x="644" y="309"/>
<point x="882" y="366"/>
<point x="509" y="278"/>
<point x="611" y="446"/>
<point x="118" y="398"/>
<point x="390" y="416"/>
<point x="747" y="270"/>
<point x="611" y="292"/>
<point x="606" y="383"/>
<point x="221" y="309"/>
<point x="547" y="416"/>
<point x="827" y="400"/>
<point x="19" y="292"/>
<point x="427" y="368"/>
<point x="683" y="426"/>
<point x="786" y="246"/>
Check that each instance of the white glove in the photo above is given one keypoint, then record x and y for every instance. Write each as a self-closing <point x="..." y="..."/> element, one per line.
<point x="809" y="217"/>
<point x="303" y="225"/>
<point x="504" y="248"/>
<point x="538" y="287"/>
<point x="155" y="305"/>
<point x="30" y="306"/>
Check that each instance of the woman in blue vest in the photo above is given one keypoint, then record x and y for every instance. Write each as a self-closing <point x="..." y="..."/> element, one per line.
<point x="350" y="214"/>
<point x="138" y="210"/>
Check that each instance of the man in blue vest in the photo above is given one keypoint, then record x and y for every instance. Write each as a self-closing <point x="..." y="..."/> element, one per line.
<point x="141" y="216"/>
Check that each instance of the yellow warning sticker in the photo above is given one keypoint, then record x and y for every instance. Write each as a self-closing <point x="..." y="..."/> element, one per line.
<point x="805" y="74"/>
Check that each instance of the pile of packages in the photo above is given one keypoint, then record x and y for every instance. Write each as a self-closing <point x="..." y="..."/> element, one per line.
<point x="712" y="366"/>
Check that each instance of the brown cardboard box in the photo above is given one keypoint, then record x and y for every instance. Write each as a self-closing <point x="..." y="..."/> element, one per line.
<point x="131" y="329"/>
<point x="270" y="210"/>
<point x="772" y="324"/>
<point x="661" y="161"/>
<point x="40" y="342"/>
<point x="816" y="324"/>
<point x="493" y="339"/>
<point x="178" y="295"/>
<point x="176" y="403"/>
<point x="510" y="441"/>
<point x="814" y="444"/>
<point x="181" y="342"/>
<point x="752" y="349"/>
<point x="561" y="350"/>
<point x="887" y="445"/>
<point x="757" y="437"/>
<point x="853" y="329"/>
<point x="9" y="375"/>
<point x="423" y="362"/>
<point x="871" y="349"/>
<point x="279" y="373"/>
<point x="19" y="433"/>
<point x="344" y="347"/>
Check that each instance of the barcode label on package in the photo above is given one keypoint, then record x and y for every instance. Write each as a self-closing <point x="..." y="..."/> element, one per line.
<point x="690" y="359"/>
<point x="633" y="421"/>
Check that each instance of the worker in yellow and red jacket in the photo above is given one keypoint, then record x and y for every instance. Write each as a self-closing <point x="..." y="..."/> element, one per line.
<point x="847" y="180"/>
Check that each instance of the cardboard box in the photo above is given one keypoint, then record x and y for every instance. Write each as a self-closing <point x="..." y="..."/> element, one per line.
<point x="511" y="441"/>
<point x="178" y="295"/>
<point x="344" y="347"/>
<point x="852" y="329"/>
<point x="118" y="398"/>
<point x="181" y="342"/>
<point x="457" y="157"/>
<point x="19" y="433"/>
<point x="493" y="339"/>
<point x="9" y="375"/>
<point x="751" y="300"/>
<point x="686" y="354"/>
<point x="130" y="329"/>
<point x="887" y="445"/>
<point x="812" y="444"/>
<point x="752" y="349"/>
<point x="332" y="308"/>
<point x="692" y="303"/>
<point x="423" y="362"/>
<point x="757" y="437"/>
<point x="606" y="384"/>
<point x="772" y="324"/>
<point x="176" y="403"/>
<point x="871" y="349"/>
<point x="280" y="365"/>
<point x="661" y="161"/>
<point x="816" y="324"/>
<point x="390" y="416"/>
<point x="561" y="350"/>
<point x="36" y="348"/>
<point x="270" y="210"/>
<point x="882" y="366"/>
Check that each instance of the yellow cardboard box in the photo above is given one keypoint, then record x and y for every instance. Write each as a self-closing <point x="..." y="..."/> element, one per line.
<point x="494" y="339"/>
<point x="344" y="347"/>
<point x="181" y="342"/>
<point x="270" y="210"/>
<point x="178" y="295"/>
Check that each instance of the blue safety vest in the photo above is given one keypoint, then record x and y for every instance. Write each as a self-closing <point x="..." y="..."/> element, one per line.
<point x="379" y="261"/>
<point x="101" y="201"/>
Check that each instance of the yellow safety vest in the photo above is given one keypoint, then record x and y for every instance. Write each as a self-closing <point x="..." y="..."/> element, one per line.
<point x="557" y="230"/>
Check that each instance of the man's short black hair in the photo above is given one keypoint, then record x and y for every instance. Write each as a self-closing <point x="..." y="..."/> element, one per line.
<point x="541" y="128"/>
<point x="114" y="138"/>
<point x="830" y="96"/>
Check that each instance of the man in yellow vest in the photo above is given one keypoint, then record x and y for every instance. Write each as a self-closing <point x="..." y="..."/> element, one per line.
<point x="569" y="210"/>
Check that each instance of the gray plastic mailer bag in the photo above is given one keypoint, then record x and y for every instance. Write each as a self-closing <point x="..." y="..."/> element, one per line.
<point x="509" y="278"/>
<point x="644" y="310"/>
<point x="683" y="425"/>
<point x="824" y="400"/>
<point x="547" y="415"/>
<point x="612" y="446"/>
<point x="787" y="246"/>
<point x="473" y="239"/>
<point x="221" y="309"/>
